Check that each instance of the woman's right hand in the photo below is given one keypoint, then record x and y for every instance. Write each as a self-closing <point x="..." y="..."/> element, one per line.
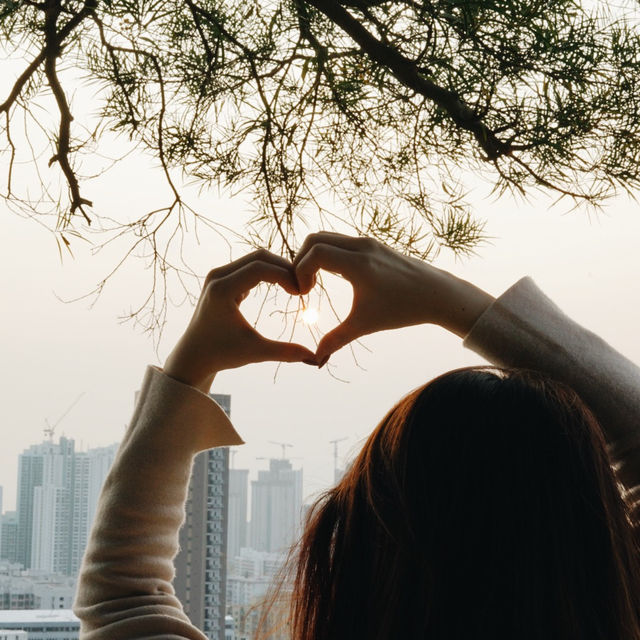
<point x="390" y="290"/>
<point x="219" y="337"/>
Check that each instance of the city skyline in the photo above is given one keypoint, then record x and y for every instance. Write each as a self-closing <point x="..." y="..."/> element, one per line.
<point x="220" y="578"/>
<point x="253" y="473"/>
<point x="57" y="499"/>
<point x="60" y="485"/>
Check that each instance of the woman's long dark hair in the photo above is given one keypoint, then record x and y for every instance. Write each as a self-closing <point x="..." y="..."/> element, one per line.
<point x="483" y="506"/>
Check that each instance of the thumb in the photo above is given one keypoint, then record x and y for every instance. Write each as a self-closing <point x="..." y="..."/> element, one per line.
<point x="285" y="352"/>
<point x="337" y="338"/>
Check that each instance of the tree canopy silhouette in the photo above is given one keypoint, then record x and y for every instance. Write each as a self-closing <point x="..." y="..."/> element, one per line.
<point x="372" y="112"/>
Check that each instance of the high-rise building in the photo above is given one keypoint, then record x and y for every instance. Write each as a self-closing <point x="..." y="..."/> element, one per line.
<point x="9" y="543"/>
<point x="238" y="503"/>
<point x="90" y="471"/>
<point x="29" y="477"/>
<point x="51" y="529"/>
<point x="101" y="459"/>
<point x="276" y="507"/>
<point x="201" y="563"/>
<point x="58" y="490"/>
<point x="52" y="521"/>
<point x="81" y="522"/>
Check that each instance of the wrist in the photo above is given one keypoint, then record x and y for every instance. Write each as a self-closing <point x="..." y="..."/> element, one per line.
<point x="464" y="304"/>
<point x="175" y="367"/>
<point x="202" y="384"/>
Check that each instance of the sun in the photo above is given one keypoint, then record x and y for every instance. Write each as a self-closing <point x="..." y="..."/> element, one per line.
<point x="309" y="315"/>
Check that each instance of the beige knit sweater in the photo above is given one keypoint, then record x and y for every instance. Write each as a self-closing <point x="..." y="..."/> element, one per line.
<point x="125" y="590"/>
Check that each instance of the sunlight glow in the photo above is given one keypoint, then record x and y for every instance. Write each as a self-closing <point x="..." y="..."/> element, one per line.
<point x="309" y="315"/>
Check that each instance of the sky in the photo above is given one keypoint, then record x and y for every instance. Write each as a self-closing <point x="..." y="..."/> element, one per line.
<point x="53" y="351"/>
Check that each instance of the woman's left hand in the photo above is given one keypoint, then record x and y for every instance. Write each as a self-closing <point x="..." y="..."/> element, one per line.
<point x="219" y="337"/>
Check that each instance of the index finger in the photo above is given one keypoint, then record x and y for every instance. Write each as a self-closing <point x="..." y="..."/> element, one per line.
<point x="262" y="255"/>
<point x="328" y="258"/>
<point x="349" y="243"/>
<point x="253" y="273"/>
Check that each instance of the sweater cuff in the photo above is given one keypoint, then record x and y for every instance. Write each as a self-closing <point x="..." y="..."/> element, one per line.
<point x="164" y="402"/>
<point x="523" y="296"/>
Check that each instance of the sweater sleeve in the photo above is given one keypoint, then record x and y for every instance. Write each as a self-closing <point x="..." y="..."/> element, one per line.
<point x="124" y="586"/>
<point x="524" y="329"/>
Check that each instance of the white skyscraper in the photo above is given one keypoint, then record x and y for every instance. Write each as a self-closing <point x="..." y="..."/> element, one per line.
<point x="276" y="507"/>
<point x="58" y="490"/>
<point x="79" y="532"/>
<point x="90" y="471"/>
<point x="29" y="477"/>
<point x="50" y="541"/>
<point x="101" y="459"/>
<point x="52" y="520"/>
<point x="238" y="503"/>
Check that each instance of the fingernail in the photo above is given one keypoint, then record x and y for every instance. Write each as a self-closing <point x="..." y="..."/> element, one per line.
<point x="309" y="361"/>
<point x="323" y="362"/>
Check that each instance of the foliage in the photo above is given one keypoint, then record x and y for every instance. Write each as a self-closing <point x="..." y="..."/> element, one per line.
<point x="369" y="112"/>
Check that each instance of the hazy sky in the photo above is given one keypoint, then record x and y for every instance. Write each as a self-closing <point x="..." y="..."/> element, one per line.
<point x="52" y="351"/>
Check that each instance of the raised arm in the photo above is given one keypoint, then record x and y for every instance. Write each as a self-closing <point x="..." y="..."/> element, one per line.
<point x="124" y="589"/>
<point x="522" y="328"/>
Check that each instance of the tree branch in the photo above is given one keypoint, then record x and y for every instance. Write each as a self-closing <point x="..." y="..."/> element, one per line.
<point x="115" y="65"/>
<point x="52" y="51"/>
<point x="61" y="36"/>
<point x="322" y="56"/>
<point x="269" y="119"/>
<point x="12" y="159"/>
<point x="406" y="72"/>
<point x="21" y="81"/>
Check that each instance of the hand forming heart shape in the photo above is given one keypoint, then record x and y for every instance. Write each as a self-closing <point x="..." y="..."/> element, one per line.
<point x="389" y="291"/>
<point x="218" y="336"/>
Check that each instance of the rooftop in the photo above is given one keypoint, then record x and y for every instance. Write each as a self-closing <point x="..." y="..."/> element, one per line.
<point x="34" y="616"/>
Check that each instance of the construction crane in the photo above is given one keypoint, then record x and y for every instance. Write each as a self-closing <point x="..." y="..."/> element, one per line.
<point x="335" y="456"/>
<point x="284" y="446"/>
<point x="50" y="428"/>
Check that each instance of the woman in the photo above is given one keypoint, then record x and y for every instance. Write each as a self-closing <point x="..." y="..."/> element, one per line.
<point x="484" y="505"/>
